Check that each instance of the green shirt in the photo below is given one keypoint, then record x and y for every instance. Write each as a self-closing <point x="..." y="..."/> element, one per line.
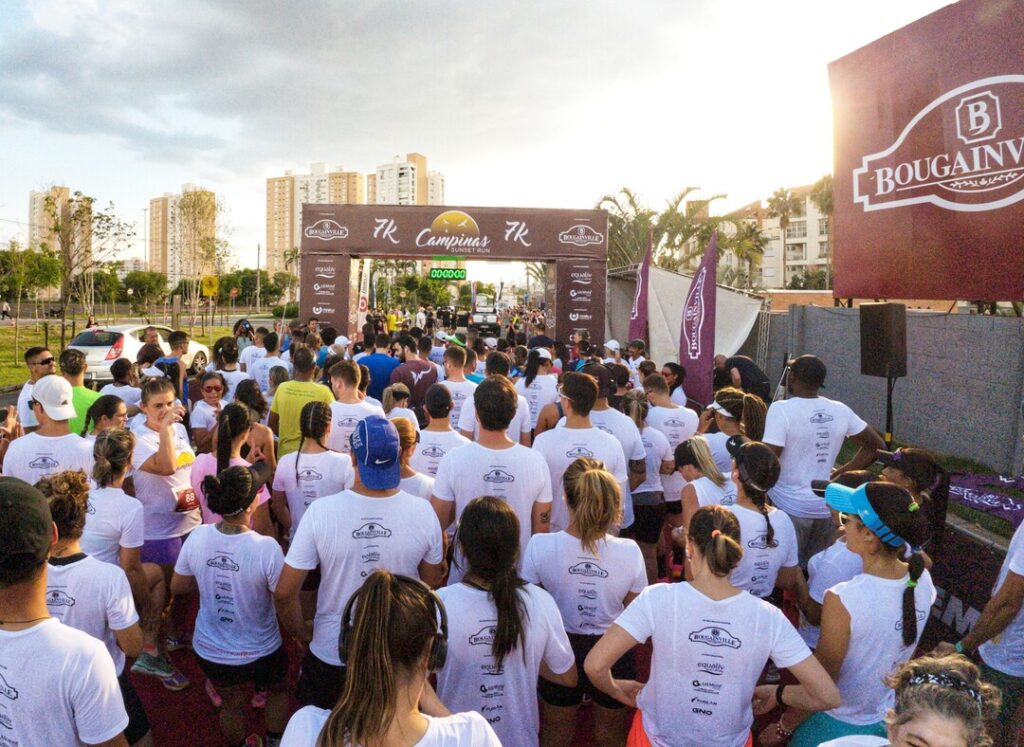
<point x="289" y="399"/>
<point x="82" y="399"/>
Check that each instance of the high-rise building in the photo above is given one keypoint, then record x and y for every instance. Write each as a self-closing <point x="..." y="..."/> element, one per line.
<point x="182" y="229"/>
<point x="287" y="194"/>
<point x="40" y="224"/>
<point x="408" y="182"/>
<point x="371" y="189"/>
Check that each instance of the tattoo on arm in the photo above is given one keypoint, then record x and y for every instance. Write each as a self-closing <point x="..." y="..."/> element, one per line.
<point x="637" y="465"/>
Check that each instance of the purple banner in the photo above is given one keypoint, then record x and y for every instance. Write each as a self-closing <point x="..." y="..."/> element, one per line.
<point x="981" y="492"/>
<point x="697" y="333"/>
<point x="638" y="315"/>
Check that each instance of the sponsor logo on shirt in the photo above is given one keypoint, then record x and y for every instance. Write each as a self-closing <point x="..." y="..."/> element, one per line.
<point x="760" y="542"/>
<point x="222" y="586"/>
<point x="371" y="556"/>
<point x="224" y="563"/>
<point x="44" y="462"/>
<point x="702" y="701"/>
<point x="588" y="593"/>
<point x="417" y="375"/>
<point x="6" y="690"/>
<point x="762" y="565"/>
<point x="921" y="615"/>
<point x="89" y="508"/>
<point x="674" y="423"/>
<point x="498" y="475"/>
<point x="226" y="598"/>
<point x="606" y="429"/>
<point x="711" y="667"/>
<point x="586" y="610"/>
<point x="492" y="670"/>
<point x="483" y="637"/>
<point x="821" y="417"/>
<point x="492" y="691"/>
<point x="224" y="619"/>
<point x="702" y="686"/>
<point x="348" y="422"/>
<point x="586" y="568"/>
<point x="58" y="598"/>
<point x="434" y="452"/>
<point x="6" y="721"/>
<point x="702" y="712"/>
<point x="309" y="474"/>
<point x="578" y="451"/>
<point x="371" y="530"/>
<point x="715" y="636"/>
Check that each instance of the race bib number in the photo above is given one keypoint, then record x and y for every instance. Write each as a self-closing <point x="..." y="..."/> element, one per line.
<point x="186" y="501"/>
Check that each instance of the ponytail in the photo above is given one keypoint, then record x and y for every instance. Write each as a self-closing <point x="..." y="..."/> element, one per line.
<point x="234" y="419"/>
<point x="916" y="563"/>
<point x="532" y="364"/>
<point x="760" y="500"/>
<point x="753" y="417"/>
<point x="393" y="395"/>
<point x="595" y="499"/>
<point x="313" y="422"/>
<point x="112" y="455"/>
<point x="104" y="406"/>
<point x="716" y="532"/>
<point x="636" y="406"/>
<point x="489" y="538"/>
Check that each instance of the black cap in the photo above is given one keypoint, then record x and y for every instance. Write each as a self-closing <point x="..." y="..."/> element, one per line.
<point x="25" y="524"/>
<point x="809" y="369"/>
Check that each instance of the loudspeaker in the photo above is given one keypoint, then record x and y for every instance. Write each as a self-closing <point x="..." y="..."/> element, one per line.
<point x="883" y="340"/>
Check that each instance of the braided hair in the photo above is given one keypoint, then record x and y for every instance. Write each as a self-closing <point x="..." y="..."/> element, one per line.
<point x="314" y="421"/>
<point x="758" y="469"/>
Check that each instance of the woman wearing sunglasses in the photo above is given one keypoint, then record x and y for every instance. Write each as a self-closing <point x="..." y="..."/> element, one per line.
<point x="872" y="623"/>
<point x="203" y="420"/>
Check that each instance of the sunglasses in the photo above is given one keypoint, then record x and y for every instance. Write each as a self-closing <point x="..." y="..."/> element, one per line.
<point x="845" y="519"/>
<point x="212" y="389"/>
<point x="44" y="361"/>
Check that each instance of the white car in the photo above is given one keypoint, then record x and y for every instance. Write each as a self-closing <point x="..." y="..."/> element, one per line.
<point x="104" y="345"/>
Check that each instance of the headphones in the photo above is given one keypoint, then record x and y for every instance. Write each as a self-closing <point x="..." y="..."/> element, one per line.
<point x="438" y="649"/>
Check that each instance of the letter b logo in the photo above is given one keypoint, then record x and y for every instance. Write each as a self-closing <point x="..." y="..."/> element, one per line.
<point x="978" y="117"/>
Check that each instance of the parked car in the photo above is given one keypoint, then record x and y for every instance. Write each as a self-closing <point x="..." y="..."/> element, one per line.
<point x="104" y="345"/>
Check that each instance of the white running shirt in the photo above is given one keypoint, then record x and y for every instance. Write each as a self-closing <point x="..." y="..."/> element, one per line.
<point x="318" y="475"/>
<point x="457" y="730"/>
<point x="113" y="519"/>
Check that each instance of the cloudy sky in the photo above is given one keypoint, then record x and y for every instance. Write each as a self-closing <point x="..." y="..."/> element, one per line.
<point x="530" y="103"/>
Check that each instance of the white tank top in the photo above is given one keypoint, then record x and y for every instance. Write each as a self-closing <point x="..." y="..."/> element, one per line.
<point x="709" y="494"/>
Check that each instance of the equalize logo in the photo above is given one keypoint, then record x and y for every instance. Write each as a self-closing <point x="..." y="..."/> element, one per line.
<point x="982" y="169"/>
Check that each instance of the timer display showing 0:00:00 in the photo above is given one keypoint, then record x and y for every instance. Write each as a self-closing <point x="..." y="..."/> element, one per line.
<point x="447" y="273"/>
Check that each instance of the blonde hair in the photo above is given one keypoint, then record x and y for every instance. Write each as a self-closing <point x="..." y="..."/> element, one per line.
<point x="705" y="462"/>
<point x="392" y="395"/>
<point x="406" y="438"/>
<point x="636" y="406"/>
<point x="595" y="499"/>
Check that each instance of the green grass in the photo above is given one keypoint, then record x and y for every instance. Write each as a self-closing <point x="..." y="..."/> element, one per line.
<point x="12" y="365"/>
<point x="993" y="524"/>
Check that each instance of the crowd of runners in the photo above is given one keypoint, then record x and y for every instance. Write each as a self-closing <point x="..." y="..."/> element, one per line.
<point x="469" y="539"/>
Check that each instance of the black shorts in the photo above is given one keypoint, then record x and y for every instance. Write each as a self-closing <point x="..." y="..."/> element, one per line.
<point x="265" y="672"/>
<point x="560" y="695"/>
<point x="320" y="683"/>
<point x="138" y="723"/>
<point x="647" y="524"/>
<point x="674" y="508"/>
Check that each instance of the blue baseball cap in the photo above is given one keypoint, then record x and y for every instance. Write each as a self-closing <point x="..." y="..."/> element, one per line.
<point x="376" y="447"/>
<point x="855" y="501"/>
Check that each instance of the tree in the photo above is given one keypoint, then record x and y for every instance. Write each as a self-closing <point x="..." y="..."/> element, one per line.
<point x="146" y="288"/>
<point x="83" y="237"/>
<point x="23" y="271"/>
<point x="823" y="199"/>
<point x="196" y="223"/>
<point x="106" y="284"/>
<point x="784" y="205"/>
<point x="748" y="244"/>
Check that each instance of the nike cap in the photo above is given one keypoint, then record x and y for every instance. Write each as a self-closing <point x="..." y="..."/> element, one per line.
<point x="376" y="447"/>
<point x="54" y="394"/>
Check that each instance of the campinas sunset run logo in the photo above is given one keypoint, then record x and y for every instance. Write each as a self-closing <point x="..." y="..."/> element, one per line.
<point x="963" y="151"/>
<point x="454" y="231"/>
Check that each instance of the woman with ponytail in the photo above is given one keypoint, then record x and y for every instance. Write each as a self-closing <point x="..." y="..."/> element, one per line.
<point x="872" y="623"/>
<point x="592" y="575"/>
<point x="262" y="444"/>
<point x="768" y="535"/>
<point x="107" y="411"/>
<point x="394" y="635"/>
<point x="506" y="629"/>
<point x="705" y="485"/>
<point x="237" y="639"/>
<point x="649" y="508"/>
<point x="412" y="482"/>
<point x="311" y="472"/>
<point x="396" y="404"/>
<point x="234" y="428"/>
<point x="711" y="641"/>
<point x="734" y="413"/>
<point x="538" y="385"/>
<point x="919" y="471"/>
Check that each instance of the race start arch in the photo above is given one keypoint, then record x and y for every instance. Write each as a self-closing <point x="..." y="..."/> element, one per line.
<point x="575" y="241"/>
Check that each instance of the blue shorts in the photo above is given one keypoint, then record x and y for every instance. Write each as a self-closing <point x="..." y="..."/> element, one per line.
<point x="161" y="551"/>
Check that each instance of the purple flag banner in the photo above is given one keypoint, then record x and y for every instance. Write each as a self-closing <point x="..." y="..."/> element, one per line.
<point x="638" y="315"/>
<point x="983" y="493"/>
<point x="697" y="334"/>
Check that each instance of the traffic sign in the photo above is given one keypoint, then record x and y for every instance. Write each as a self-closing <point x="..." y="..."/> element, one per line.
<point x="234" y="292"/>
<point x="211" y="284"/>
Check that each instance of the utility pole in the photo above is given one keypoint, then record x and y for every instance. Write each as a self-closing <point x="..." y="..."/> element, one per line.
<point x="145" y="238"/>
<point x="257" y="278"/>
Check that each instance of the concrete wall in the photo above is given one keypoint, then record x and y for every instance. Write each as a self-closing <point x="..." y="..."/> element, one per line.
<point x="964" y="390"/>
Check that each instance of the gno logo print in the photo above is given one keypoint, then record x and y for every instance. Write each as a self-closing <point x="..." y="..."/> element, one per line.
<point x="981" y="169"/>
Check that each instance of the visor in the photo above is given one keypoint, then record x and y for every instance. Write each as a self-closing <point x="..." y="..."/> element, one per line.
<point x="849" y="501"/>
<point x="715" y="407"/>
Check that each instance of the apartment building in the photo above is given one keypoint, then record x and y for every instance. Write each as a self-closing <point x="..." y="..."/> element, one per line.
<point x="182" y="229"/>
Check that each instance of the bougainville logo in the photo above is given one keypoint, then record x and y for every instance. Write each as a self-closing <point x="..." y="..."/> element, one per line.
<point x="693" y="315"/>
<point x="982" y="169"/>
<point x="325" y="230"/>
<point x="715" y="636"/>
<point x="581" y="235"/>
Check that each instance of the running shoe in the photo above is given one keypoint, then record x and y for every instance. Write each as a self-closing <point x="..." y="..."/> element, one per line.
<point x="176" y="643"/>
<point x="158" y="666"/>
<point x="214" y="696"/>
<point x="259" y="699"/>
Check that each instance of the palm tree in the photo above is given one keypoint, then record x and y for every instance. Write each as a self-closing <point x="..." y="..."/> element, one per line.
<point x="784" y="205"/>
<point x="748" y="245"/>
<point x="628" y="224"/>
<point x="823" y="199"/>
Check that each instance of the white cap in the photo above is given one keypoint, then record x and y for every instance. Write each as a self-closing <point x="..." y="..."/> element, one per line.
<point x="441" y="335"/>
<point x="341" y="341"/>
<point x="716" y="407"/>
<point x="543" y="354"/>
<point x="490" y="342"/>
<point x="612" y="345"/>
<point x="54" y="394"/>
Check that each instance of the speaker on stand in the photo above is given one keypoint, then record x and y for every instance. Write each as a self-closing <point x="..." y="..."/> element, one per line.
<point x="883" y="349"/>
